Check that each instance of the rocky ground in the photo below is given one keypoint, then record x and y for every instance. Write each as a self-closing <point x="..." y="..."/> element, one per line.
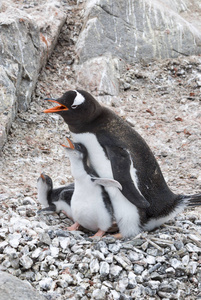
<point x="161" y="100"/>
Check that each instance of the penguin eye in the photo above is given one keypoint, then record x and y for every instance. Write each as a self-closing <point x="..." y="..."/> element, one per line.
<point x="74" y="106"/>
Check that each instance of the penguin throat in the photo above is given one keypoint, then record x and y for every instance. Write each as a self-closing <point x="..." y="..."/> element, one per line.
<point x="86" y="123"/>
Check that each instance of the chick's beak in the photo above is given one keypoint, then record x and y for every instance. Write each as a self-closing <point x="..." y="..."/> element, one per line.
<point x="70" y="144"/>
<point x="42" y="176"/>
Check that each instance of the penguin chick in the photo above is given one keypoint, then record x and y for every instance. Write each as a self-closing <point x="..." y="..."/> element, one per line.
<point x="90" y="204"/>
<point x="54" y="200"/>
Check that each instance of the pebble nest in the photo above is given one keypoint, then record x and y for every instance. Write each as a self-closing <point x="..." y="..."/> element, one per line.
<point x="161" y="100"/>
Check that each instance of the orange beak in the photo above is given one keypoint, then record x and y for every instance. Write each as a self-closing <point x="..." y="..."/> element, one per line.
<point x="70" y="144"/>
<point x="60" y="107"/>
<point x="42" y="176"/>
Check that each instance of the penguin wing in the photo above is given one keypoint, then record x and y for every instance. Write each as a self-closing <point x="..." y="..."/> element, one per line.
<point x="67" y="194"/>
<point x="64" y="192"/>
<point x="121" y="165"/>
<point x="50" y="209"/>
<point x="106" y="182"/>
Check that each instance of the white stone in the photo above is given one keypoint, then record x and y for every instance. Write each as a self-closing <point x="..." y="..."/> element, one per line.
<point x="47" y="284"/>
<point x="175" y="263"/>
<point x="115" y="271"/>
<point x="14" y="239"/>
<point x="54" y="251"/>
<point x="26" y="262"/>
<point x="104" y="269"/>
<point x="94" y="265"/>
<point x="64" y="243"/>
<point x="151" y="260"/>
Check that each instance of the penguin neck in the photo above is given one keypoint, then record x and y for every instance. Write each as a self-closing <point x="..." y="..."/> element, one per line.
<point x="77" y="168"/>
<point x="49" y="198"/>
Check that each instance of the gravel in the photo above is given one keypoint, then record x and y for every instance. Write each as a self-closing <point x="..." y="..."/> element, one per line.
<point x="161" y="100"/>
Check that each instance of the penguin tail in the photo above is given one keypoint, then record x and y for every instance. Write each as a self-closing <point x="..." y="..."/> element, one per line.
<point x="192" y="200"/>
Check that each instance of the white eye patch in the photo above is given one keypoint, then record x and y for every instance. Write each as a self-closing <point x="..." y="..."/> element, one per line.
<point x="79" y="99"/>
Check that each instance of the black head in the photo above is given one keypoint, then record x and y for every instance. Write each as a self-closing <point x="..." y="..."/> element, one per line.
<point x="76" y="107"/>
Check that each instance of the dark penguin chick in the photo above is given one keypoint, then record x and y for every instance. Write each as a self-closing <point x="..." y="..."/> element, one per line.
<point x="54" y="200"/>
<point x="117" y="151"/>
<point x="90" y="203"/>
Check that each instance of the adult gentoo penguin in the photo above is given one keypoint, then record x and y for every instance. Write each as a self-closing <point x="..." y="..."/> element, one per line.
<point x="117" y="151"/>
<point x="90" y="204"/>
<point x="54" y="200"/>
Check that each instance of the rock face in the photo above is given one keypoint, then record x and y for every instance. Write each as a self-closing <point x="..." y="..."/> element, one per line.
<point x="28" y="36"/>
<point x="134" y="31"/>
<point x="140" y="30"/>
<point x="14" y="288"/>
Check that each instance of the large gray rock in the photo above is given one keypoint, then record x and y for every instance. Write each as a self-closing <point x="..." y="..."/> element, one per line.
<point x="100" y="76"/>
<point x="132" y="31"/>
<point x="140" y="30"/>
<point x="27" y="38"/>
<point x="12" y="288"/>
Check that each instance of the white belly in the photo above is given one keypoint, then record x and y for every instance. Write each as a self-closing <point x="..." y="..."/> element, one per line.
<point x="87" y="205"/>
<point x="42" y="193"/>
<point x="126" y="214"/>
<point x="62" y="205"/>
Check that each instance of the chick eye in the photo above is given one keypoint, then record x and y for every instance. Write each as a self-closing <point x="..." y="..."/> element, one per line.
<point x="74" y="106"/>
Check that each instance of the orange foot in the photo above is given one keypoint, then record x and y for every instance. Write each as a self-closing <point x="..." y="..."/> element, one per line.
<point x="118" y="236"/>
<point x="75" y="226"/>
<point x="99" y="233"/>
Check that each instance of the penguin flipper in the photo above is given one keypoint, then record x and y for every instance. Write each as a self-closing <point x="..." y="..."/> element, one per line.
<point x="50" y="209"/>
<point x="121" y="165"/>
<point x="106" y="182"/>
<point x="67" y="194"/>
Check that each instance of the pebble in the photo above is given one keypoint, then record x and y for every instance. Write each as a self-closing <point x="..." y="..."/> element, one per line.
<point x="115" y="271"/>
<point x="83" y="267"/>
<point x="192" y="268"/>
<point x="64" y="243"/>
<point x="170" y="271"/>
<point x="104" y="269"/>
<point x="54" y="251"/>
<point x="192" y="248"/>
<point x="138" y="269"/>
<point x="131" y="280"/>
<point x="123" y="263"/>
<point x="155" y="267"/>
<point x="122" y="285"/>
<point x="185" y="260"/>
<point x="98" y="255"/>
<point x="109" y="259"/>
<point x="94" y="265"/>
<point x="98" y="294"/>
<point x="114" y="248"/>
<point x="175" y="263"/>
<point x="45" y="238"/>
<point x="14" y="239"/>
<point x="26" y="262"/>
<point x="151" y="260"/>
<point x="47" y="284"/>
